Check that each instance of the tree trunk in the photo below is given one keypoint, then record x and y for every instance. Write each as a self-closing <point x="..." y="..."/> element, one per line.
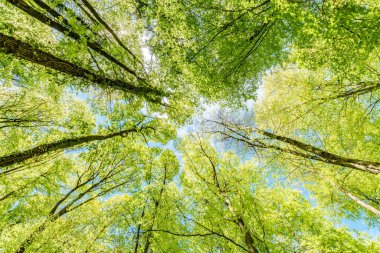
<point x="30" y="239"/>
<point x="114" y="35"/>
<point x="248" y="238"/>
<point x="362" y="203"/>
<point x="363" y="88"/>
<point x="352" y="196"/>
<point x="139" y="228"/>
<point x="22" y="156"/>
<point x="66" y="30"/>
<point x="327" y="157"/>
<point x="22" y="50"/>
<point x="156" y="205"/>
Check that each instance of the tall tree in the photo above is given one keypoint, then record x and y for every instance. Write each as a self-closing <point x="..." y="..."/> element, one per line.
<point x="254" y="137"/>
<point x="231" y="199"/>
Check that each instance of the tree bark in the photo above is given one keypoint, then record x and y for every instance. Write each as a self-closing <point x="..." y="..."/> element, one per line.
<point x="248" y="239"/>
<point x="104" y="23"/>
<point x="66" y="30"/>
<point x="139" y="228"/>
<point x="22" y="50"/>
<point x="22" y="156"/>
<point x="156" y="205"/>
<point x="327" y="157"/>
<point x="363" y="88"/>
<point x="29" y="240"/>
<point x="363" y="204"/>
<point x="358" y="201"/>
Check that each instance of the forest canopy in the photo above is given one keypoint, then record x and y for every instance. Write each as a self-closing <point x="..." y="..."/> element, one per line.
<point x="190" y="126"/>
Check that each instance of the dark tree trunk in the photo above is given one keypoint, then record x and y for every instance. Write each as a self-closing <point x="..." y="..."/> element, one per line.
<point x="30" y="239"/>
<point x="54" y="146"/>
<point x="156" y="205"/>
<point x="22" y="50"/>
<point x="327" y="157"/>
<point x="66" y="30"/>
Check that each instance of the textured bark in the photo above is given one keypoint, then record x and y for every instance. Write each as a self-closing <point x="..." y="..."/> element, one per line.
<point x="110" y="30"/>
<point x="156" y="206"/>
<point x="248" y="238"/>
<point x="324" y="156"/>
<point x="22" y="50"/>
<point x="22" y="156"/>
<point x="66" y="30"/>
<point x="362" y="203"/>
<point x="29" y="240"/>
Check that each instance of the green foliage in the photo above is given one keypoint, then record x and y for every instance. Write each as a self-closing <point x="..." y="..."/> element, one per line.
<point x="347" y="126"/>
<point x="94" y="162"/>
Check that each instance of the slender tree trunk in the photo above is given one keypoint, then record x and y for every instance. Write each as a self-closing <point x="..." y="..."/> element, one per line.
<point x="364" y="88"/>
<point x="362" y="203"/>
<point x="22" y="50"/>
<point x="110" y="30"/>
<point x="11" y="193"/>
<point x="366" y="206"/>
<point x="248" y="238"/>
<point x="156" y="205"/>
<point x="65" y="29"/>
<point x="351" y="196"/>
<point x="322" y="155"/>
<point x="22" y="156"/>
<point x="55" y="215"/>
<point x="139" y="228"/>
<point x="307" y="151"/>
<point x="7" y="195"/>
<point x="30" y="239"/>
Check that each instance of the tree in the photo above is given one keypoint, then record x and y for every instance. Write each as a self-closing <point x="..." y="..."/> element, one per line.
<point x="248" y="212"/>
<point x="61" y="145"/>
<point x="93" y="93"/>
<point x="255" y="137"/>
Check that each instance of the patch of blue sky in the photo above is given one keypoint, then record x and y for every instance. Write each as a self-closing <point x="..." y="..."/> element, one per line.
<point x="361" y="226"/>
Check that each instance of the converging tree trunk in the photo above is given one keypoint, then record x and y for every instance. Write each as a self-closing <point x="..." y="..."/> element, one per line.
<point x="363" y="204"/>
<point x="22" y="156"/>
<point x="156" y="207"/>
<point x="239" y="221"/>
<point x="66" y="29"/>
<point x="361" y="89"/>
<point x="260" y="140"/>
<point x="22" y="50"/>
<point x="356" y="199"/>
<point x="84" y="191"/>
<point x="324" y="156"/>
